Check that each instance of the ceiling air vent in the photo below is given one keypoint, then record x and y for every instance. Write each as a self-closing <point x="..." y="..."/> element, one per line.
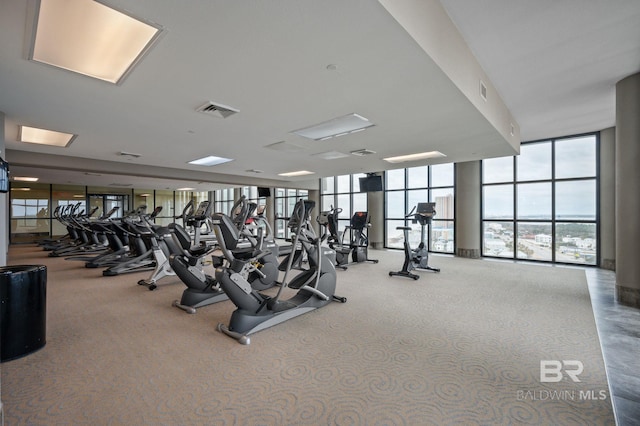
<point x="129" y="154"/>
<point x="363" y="152"/>
<point x="217" y="110"/>
<point x="285" y="147"/>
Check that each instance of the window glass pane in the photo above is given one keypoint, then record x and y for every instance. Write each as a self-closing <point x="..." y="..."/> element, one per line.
<point x="534" y="161"/>
<point x="360" y="202"/>
<point x="327" y="185"/>
<point x="416" y="196"/>
<point x="291" y="203"/>
<point x="444" y="203"/>
<point x="280" y="230"/>
<point x="442" y="175"/>
<point x="534" y="201"/>
<point x="534" y="241"/>
<point x="394" y="237"/>
<point x="498" y="202"/>
<point x="30" y="211"/>
<point x="417" y="177"/>
<point x="442" y="236"/>
<point x="576" y="157"/>
<point x="576" y="243"/>
<point x="345" y="205"/>
<point x="576" y="200"/>
<point x="343" y="183"/>
<point x="395" y="205"/>
<point x="327" y="202"/>
<point x="497" y="239"/>
<point x="280" y="209"/>
<point x="355" y="179"/>
<point x="395" y="179"/>
<point x="497" y="170"/>
<point x="164" y="198"/>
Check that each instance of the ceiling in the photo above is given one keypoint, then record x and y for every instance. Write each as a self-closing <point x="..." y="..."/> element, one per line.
<point x="288" y="64"/>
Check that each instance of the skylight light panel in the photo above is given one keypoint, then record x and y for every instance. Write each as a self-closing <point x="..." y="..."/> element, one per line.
<point x="296" y="173"/>
<point x="45" y="137"/>
<point x="340" y="126"/>
<point x="414" y="157"/>
<point x="211" y="160"/>
<point x="89" y="38"/>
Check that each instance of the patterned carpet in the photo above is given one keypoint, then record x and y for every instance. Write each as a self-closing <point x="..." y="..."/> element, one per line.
<point x="460" y="347"/>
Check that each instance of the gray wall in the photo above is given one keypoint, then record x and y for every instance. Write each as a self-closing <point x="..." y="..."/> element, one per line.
<point x="627" y="154"/>
<point x="607" y="199"/>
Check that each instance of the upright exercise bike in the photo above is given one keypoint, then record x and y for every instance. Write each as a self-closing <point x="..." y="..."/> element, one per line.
<point x="416" y="258"/>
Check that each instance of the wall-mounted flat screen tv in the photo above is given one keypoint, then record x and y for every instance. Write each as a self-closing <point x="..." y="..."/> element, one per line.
<point x="371" y="183"/>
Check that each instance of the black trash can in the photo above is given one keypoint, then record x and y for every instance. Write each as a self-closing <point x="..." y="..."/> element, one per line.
<point x="23" y="317"/>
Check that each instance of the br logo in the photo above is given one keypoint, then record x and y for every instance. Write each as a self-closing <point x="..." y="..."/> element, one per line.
<point x="552" y="370"/>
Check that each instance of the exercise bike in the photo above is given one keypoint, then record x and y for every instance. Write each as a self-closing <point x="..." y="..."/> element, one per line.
<point x="203" y="289"/>
<point x="256" y="311"/>
<point x="417" y="258"/>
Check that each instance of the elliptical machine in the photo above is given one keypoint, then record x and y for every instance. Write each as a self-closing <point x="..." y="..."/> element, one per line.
<point x="352" y="245"/>
<point x="416" y="258"/>
<point x="256" y="311"/>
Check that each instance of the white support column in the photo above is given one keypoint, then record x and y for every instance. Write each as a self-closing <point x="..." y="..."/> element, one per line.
<point x="468" y="222"/>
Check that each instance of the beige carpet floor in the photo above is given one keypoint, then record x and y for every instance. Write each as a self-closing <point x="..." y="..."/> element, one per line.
<point x="462" y="347"/>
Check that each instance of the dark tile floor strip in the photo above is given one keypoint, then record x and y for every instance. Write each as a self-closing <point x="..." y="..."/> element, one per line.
<point x="619" y="330"/>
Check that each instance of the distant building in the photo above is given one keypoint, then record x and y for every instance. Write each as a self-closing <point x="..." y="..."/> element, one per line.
<point x="543" y="240"/>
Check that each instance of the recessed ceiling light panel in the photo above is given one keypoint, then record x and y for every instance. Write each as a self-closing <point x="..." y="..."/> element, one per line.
<point x="45" y="137"/>
<point x="296" y="173"/>
<point x="211" y="160"/>
<point x="340" y="126"/>
<point x="24" y="179"/>
<point x="414" y="157"/>
<point x="330" y="155"/>
<point x="89" y="38"/>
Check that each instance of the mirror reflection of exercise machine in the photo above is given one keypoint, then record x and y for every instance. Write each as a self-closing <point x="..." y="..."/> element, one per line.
<point x="417" y="258"/>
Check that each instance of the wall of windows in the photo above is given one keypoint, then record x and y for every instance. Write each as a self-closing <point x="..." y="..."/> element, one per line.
<point x="542" y="204"/>
<point x="33" y="206"/>
<point x="29" y="211"/>
<point x="284" y="201"/>
<point x="251" y="193"/>
<point x="343" y="192"/>
<point x="404" y="189"/>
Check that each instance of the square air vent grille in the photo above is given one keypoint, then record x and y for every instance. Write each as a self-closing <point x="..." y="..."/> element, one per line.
<point x="217" y="110"/>
<point x="362" y="152"/>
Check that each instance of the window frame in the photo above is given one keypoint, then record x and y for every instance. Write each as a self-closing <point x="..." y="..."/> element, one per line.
<point x="553" y="221"/>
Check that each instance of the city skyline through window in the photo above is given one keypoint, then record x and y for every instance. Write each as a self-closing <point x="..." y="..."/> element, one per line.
<point x="542" y="204"/>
